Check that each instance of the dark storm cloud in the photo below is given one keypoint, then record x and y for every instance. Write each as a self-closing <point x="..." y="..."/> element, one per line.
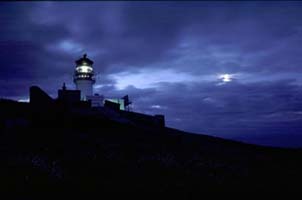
<point x="174" y="53"/>
<point x="22" y="49"/>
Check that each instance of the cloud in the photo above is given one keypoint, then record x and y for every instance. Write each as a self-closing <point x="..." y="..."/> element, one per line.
<point x="234" y="110"/>
<point x="165" y="55"/>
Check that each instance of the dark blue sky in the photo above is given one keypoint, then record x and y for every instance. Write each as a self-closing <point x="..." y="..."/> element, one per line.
<point x="229" y="69"/>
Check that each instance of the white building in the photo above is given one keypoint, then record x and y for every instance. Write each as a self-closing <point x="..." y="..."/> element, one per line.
<point x="84" y="80"/>
<point x="84" y="77"/>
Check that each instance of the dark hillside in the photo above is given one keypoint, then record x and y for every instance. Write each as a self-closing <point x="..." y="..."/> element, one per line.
<point x="60" y="150"/>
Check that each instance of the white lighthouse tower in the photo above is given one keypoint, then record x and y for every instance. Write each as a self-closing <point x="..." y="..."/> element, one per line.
<point x="84" y="77"/>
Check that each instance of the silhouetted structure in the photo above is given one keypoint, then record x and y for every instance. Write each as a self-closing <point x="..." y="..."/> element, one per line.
<point x="70" y="96"/>
<point x="39" y="97"/>
<point x="127" y="102"/>
<point x="70" y="99"/>
<point x="112" y="105"/>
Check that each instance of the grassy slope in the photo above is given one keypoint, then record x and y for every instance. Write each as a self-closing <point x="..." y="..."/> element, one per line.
<point x="68" y="152"/>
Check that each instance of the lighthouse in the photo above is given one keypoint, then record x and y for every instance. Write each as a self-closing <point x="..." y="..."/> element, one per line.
<point x="84" y="77"/>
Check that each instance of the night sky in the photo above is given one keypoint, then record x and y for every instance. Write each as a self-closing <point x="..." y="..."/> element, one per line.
<point x="228" y="69"/>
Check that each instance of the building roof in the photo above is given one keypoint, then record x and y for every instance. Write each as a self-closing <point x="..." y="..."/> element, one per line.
<point x="83" y="60"/>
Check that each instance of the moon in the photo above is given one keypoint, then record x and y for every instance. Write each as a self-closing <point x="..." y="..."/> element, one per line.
<point x="225" y="77"/>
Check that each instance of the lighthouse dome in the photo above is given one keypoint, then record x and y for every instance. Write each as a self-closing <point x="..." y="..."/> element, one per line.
<point x="84" y="61"/>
